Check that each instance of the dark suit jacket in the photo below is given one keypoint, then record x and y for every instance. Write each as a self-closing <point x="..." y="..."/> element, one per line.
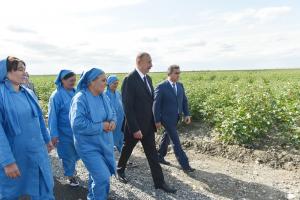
<point x="167" y="105"/>
<point x="137" y="102"/>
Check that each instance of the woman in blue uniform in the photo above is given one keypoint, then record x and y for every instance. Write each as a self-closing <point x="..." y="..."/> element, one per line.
<point x="92" y="121"/>
<point x="24" y="163"/>
<point x="116" y="102"/>
<point x="59" y="123"/>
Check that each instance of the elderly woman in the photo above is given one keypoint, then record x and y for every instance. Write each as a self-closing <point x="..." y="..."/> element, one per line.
<point x="116" y="102"/>
<point x="92" y="121"/>
<point x="59" y="123"/>
<point x="24" y="162"/>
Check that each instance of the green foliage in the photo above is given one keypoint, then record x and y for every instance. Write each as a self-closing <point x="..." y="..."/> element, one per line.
<point x="242" y="106"/>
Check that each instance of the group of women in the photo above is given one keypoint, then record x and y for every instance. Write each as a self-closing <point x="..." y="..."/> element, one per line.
<point x="84" y="123"/>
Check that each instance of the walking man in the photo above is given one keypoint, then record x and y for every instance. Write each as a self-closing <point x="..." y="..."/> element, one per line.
<point x="170" y="102"/>
<point x="137" y="96"/>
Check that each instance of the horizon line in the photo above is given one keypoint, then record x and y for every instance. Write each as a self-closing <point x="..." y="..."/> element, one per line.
<point x="211" y="70"/>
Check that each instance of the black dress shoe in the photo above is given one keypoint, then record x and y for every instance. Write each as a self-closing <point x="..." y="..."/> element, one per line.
<point x="121" y="177"/>
<point x="163" y="161"/>
<point x="165" y="187"/>
<point x="188" y="170"/>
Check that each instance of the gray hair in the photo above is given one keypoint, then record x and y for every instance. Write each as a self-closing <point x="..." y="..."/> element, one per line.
<point x="141" y="56"/>
<point x="172" y="68"/>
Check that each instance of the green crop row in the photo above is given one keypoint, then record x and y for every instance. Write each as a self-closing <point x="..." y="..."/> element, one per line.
<point x="243" y="107"/>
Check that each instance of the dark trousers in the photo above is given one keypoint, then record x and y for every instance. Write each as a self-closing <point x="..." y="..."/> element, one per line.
<point x="148" y="142"/>
<point x="170" y="133"/>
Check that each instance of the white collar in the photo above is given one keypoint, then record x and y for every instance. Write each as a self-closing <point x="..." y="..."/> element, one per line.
<point x="140" y="73"/>
<point x="171" y="82"/>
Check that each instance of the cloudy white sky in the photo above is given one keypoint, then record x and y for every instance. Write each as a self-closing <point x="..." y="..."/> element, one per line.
<point x="196" y="34"/>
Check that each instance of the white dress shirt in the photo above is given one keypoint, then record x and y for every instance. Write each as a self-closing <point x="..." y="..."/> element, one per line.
<point x="142" y="77"/>
<point x="172" y="85"/>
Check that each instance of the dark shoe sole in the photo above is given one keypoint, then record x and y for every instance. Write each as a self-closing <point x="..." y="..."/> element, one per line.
<point x="164" y="163"/>
<point x="122" y="180"/>
<point x="171" y="192"/>
<point x="187" y="171"/>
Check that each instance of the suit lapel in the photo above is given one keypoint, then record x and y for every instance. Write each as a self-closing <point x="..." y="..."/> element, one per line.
<point x="179" y="90"/>
<point x="151" y="86"/>
<point x="173" y="92"/>
<point x="141" y="82"/>
<point x="171" y="88"/>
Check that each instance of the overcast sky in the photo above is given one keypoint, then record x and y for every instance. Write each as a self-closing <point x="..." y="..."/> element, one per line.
<point x="196" y="34"/>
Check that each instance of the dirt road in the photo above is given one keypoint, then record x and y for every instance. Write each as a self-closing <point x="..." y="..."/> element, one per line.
<point x="214" y="178"/>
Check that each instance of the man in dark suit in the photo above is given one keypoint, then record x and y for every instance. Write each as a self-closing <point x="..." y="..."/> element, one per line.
<point x="169" y="103"/>
<point x="137" y="96"/>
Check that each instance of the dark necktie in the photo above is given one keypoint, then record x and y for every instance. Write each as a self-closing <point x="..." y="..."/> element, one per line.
<point x="174" y="88"/>
<point x="146" y="83"/>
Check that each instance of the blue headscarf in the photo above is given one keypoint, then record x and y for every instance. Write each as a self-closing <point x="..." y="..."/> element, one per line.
<point x="9" y="109"/>
<point x="111" y="79"/>
<point x="60" y="76"/>
<point x="87" y="77"/>
<point x="62" y="91"/>
<point x="115" y="97"/>
<point x="3" y="70"/>
<point x="116" y="103"/>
